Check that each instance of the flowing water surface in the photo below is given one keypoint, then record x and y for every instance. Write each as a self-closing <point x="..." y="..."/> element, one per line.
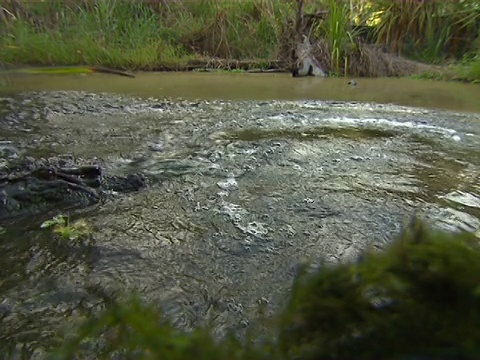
<point x="240" y="192"/>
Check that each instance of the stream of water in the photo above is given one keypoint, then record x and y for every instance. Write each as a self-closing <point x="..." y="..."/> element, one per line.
<point x="248" y="177"/>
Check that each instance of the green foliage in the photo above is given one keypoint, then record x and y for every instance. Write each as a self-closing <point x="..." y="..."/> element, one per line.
<point x="473" y="73"/>
<point x="469" y="70"/>
<point x="61" y="226"/>
<point x="119" y="36"/>
<point x="136" y="331"/>
<point x="426" y="30"/>
<point x="156" y="35"/>
<point x="420" y="298"/>
<point x="337" y="30"/>
<point x="237" y="29"/>
<point x="138" y="35"/>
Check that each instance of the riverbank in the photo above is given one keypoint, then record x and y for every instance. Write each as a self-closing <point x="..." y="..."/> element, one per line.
<point x="174" y="36"/>
<point x="202" y="35"/>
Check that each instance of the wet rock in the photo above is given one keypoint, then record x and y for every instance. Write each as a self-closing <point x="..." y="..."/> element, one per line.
<point x="38" y="187"/>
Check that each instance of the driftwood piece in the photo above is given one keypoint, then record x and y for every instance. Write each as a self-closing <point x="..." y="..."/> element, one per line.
<point x="305" y="63"/>
<point x="3" y="18"/>
<point x="101" y="69"/>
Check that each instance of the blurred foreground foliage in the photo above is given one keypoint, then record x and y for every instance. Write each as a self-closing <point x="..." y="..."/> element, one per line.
<point x="418" y="299"/>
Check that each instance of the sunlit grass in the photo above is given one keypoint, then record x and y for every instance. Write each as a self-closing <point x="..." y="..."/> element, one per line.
<point x="427" y="30"/>
<point x="337" y="29"/>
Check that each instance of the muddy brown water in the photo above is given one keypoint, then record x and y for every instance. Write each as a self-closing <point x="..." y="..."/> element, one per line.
<point x="249" y="176"/>
<point x="210" y="86"/>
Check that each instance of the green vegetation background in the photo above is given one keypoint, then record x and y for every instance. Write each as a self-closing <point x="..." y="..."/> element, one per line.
<point x="170" y="35"/>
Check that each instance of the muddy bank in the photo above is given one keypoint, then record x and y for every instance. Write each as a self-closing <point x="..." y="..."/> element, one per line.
<point x="240" y="193"/>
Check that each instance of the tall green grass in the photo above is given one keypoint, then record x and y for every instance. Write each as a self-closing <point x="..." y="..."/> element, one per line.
<point x="427" y="30"/>
<point x="337" y="30"/>
<point x="469" y="68"/>
<point x="137" y="35"/>
<point x="434" y="32"/>
<point x="127" y="35"/>
<point x="159" y="34"/>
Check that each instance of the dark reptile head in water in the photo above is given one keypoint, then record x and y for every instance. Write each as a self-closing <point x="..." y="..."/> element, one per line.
<point x="48" y="189"/>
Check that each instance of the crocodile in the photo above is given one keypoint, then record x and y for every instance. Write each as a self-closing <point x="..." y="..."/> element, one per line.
<point x="40" y="189"/>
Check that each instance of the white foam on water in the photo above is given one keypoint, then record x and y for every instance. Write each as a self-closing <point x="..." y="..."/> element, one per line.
<point x="229" y="184"/>
<point x="361" y="106"/>
<point x="463" y="198"/>
<point x="233" y="211"/>
<point x="254" y="228"/>
<point x="386" y="123"/>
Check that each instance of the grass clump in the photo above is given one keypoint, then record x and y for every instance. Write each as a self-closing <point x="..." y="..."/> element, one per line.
<point x="141" y="35"/>
<point x="337" y="31"/>
<point x="433" y="32"/>
<point x="420" y="298"/>
<point x="426" y="30"/>
<point x="473" y="70"/>
<point x="118" y="36"/>
<point x="469" y="69"/>
<point x="62" y="226"/>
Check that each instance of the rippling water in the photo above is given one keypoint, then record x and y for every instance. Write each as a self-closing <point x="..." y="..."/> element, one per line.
<point x="240" y="193"/>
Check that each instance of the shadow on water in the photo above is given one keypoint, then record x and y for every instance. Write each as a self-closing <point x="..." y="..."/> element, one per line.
<point x="308" y="134"/>
<point x="240" y="193"/>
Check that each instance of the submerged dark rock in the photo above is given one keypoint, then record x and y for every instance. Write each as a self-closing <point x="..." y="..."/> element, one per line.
<point x="39" y="187"/>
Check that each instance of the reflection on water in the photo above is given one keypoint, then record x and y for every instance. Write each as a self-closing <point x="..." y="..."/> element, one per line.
<point x="240" y="193"/>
